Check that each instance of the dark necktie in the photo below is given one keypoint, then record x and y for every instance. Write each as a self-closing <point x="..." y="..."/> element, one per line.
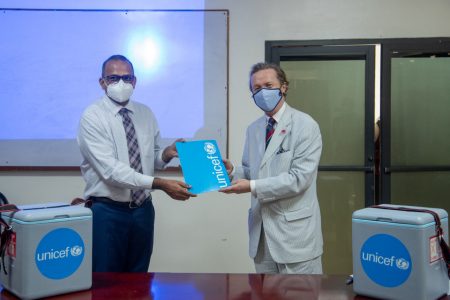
<point x="138" y="196"/>
<point x="270" y="130"/>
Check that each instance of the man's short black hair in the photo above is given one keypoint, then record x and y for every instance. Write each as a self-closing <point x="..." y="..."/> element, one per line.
<point x="116" y="57"/>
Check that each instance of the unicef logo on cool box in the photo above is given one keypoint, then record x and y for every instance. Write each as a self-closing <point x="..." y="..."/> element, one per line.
<point x="386" y="260"/>
<point x="60" y="253"/>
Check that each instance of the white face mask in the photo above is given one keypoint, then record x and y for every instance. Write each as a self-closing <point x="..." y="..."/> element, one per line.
<point x="267" y="99"/>
<point x="120" y="92"/>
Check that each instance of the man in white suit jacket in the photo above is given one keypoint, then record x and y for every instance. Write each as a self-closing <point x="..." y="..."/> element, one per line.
<point x="284" y="218"/>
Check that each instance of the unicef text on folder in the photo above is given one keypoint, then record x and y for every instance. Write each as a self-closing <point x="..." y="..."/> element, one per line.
<point x="202" y="166"/>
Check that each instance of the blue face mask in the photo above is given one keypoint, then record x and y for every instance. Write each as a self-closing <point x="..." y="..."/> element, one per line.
<point x="267" y="99"/>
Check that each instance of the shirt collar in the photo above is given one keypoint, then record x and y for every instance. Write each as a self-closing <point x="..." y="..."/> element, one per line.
<point x="278" y="115"/>
<point x="115" y="108"/>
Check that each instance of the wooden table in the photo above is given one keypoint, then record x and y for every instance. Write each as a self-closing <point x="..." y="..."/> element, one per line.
<point x="163" y="286"/>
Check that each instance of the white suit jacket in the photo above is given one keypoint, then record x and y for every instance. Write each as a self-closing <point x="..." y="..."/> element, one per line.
<point x="285" y="184"/>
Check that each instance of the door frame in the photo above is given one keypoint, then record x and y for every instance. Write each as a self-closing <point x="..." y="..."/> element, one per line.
<point x="276" y="52"/>
<point x="393" y="49"/>
<point x="390" y="47"/>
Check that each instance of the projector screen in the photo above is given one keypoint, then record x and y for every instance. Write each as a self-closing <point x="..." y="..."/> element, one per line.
<point x="51" y="63"/>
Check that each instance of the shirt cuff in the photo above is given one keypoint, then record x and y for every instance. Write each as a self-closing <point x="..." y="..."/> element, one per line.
<point x="253" y="187"/>
<point x="145" y="181"/>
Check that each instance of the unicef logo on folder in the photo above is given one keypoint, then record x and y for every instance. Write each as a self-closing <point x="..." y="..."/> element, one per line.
<point x="59" y="253"/>
<point x="386" y="260"/>
<point x="210" y="148"/>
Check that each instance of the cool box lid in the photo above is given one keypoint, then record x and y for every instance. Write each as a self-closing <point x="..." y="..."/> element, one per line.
<point x="397" y="216"/>
<point x="56" y="211"/>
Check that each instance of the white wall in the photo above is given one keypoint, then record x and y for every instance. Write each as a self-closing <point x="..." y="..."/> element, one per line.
<point x="208" y="234"/>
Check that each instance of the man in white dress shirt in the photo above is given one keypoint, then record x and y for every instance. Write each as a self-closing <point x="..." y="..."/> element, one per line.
<point x="279" y="168"/>
<point x="119" y="141"/>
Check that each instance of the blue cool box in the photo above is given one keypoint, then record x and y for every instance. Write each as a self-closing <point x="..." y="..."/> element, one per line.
<point x="396" y="254"/>
<point x="50" y="252"/>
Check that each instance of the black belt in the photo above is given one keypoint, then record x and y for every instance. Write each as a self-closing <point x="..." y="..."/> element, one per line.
<point x="106" y="200"/>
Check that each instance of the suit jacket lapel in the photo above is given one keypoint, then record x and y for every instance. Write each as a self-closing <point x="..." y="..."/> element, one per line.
<point x="260" y="139"/>
<point x="281" y="131"/>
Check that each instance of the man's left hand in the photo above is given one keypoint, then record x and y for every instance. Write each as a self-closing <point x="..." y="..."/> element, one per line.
<point x="239" y="186"/>
<point x="171" y="151"/>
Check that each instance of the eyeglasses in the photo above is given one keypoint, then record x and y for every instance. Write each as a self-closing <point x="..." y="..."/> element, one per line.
<point x="116" y="78"/>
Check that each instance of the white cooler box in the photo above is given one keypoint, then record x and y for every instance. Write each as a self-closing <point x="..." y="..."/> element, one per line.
<point x="50" y="251"/>
<point x="396" y="254"/>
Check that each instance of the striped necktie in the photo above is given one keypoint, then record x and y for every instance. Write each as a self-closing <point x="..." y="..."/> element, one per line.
<point x="270" y="130"/>
<point x="138" y="196"/>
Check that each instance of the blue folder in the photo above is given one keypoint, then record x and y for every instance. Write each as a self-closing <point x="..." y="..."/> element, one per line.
<point x="202" y="166"/>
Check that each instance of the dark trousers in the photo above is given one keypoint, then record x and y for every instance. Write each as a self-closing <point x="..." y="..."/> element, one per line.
<point x="122" y="236"/>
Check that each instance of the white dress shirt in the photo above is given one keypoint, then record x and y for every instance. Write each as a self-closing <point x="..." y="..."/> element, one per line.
<point x="103" y="145"/>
